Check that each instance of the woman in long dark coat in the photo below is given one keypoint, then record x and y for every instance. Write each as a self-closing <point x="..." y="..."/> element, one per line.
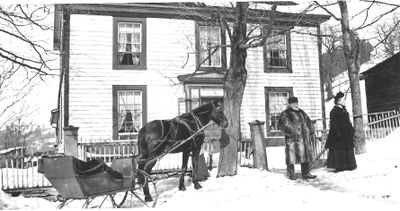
<point x="340" y="140"/>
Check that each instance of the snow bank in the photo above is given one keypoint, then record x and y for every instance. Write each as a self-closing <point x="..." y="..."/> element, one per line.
<point x="373" y="185"/>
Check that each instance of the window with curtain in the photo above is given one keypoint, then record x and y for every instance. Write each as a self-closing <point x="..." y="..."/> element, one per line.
<point x="129" y="43"/>
<point x="276" y="51"/>
<point x="277" y="103"/>
<point x="210" y="46"/>
<point x="129" y="110"/>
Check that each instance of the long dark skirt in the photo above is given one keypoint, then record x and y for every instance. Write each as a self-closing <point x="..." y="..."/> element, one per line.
<point x="341" y="159"/>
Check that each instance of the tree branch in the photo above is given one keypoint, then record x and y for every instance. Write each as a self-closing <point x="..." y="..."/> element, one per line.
<point x="326" y="10"/>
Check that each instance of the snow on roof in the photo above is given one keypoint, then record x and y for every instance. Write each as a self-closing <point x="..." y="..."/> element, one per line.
<point x="5" y="151"/>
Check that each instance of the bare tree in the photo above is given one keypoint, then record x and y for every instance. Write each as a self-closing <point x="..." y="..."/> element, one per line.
<point x="244" y="23"/>
<point x="388" y="35"/>
<point x="352" y="52"/>
<point x="25" y="55"/>
<point x="333" y="60"/>
<point x="12" y="97"/>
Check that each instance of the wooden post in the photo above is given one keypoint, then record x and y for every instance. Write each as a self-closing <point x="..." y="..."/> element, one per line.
<point x="257" y="137"/>
<point x="71" y="141"/>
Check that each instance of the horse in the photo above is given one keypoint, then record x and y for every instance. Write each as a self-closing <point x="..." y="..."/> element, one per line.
<point x="159" y="137"/>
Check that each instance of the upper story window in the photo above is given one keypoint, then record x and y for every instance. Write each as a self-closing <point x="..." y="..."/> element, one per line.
<point x="210" y="41"/>
<point x="277" y="56"/>
<point x="129" y="43"/>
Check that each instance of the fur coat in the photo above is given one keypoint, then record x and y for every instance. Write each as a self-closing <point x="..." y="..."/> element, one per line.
<point x="298" y="130"/>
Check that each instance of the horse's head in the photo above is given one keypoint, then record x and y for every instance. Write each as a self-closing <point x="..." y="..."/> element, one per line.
<point x="217" y="114"/>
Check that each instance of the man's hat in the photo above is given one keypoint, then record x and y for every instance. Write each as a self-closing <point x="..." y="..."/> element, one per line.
<point x="339" y="95"/>
<point x="293" y="100"/>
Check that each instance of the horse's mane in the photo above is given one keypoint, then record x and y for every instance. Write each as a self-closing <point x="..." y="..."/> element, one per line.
<point x="196" y="110"/>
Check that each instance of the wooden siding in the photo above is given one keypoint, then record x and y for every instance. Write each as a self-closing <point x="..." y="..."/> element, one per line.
<point x="382" y="85"/>
<point x="92" y="75"/>
<point x="305" y="80"/>
<point x="170" y="52"/>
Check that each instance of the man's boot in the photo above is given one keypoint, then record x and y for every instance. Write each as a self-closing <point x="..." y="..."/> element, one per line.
<point x="305" y="171"/>
<point x="290" y="172"/>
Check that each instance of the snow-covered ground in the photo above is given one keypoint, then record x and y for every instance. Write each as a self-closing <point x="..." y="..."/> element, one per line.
<point x="375" y="184"/>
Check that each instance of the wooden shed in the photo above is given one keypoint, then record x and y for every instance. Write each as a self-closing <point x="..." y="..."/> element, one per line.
<point x="382" y="85"/>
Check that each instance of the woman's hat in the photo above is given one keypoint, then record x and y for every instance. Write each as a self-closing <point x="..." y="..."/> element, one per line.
<point x="339" y="95"/>
<point x="293" y="100"/>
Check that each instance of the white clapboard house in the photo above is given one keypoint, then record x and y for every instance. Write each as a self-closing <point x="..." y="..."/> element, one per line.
<point x="123" y="65"/>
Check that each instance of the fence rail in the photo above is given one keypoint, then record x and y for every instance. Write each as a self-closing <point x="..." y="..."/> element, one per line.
<point x="19" y="171"/>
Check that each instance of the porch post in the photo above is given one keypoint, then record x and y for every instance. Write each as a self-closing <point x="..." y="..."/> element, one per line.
<point x="71" y="141"/>
<point x="257" y="137"/>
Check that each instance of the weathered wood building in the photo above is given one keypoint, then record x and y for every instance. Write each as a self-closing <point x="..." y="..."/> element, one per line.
<point x="382" y="85"/>
<point x="123" y="65"/>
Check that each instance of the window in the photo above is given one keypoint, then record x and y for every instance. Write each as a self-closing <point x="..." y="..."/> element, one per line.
<point x="275" y="103"/>
<point x="129" y="43"/>
<point x="277" y="52"/>
<point x="210" y="40"/>
<point x="203" y="95"/>
<point x="129" y="110"/>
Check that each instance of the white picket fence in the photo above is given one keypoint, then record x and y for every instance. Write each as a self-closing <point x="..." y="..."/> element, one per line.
<point x="20" y="172"/>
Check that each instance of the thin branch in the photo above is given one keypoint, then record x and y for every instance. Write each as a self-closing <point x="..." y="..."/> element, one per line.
<point x="376" y="19"/>
<point x="263" y="34"/>
<point x="388" y="34"/>
<point x="326" y="9"/>
<point x="381" y="2"/>
<point x="23" y="64"/>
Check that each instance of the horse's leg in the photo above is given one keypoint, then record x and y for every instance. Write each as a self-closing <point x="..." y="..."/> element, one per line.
<point x="195" y="167"/>
<point x="146" y="191"/>
<point x="185" y="159"/>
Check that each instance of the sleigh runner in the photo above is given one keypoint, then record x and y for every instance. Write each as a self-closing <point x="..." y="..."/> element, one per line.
<point x="78" y="180"/>
<point x="75" y="179"/>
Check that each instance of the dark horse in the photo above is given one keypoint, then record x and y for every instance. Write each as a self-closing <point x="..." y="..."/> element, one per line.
<point x="160" y="136"/>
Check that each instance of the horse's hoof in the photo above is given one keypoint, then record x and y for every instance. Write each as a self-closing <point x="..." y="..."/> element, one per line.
<point x="182" y="188"/>
<point x="148" y="199"/>
<point x="197" y="186"/>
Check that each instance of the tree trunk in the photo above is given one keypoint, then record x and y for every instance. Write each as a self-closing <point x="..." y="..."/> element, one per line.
<point x="352" y="55"/>
<point x="235" y="82"/>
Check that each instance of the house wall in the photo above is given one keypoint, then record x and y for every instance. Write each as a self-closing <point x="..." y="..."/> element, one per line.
<point x="92" y="75"/>
<point x="304" y="79"/>
<point x="170" y="52"/>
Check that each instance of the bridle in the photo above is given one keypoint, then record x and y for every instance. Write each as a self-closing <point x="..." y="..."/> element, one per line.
<point x="197" y="119"/>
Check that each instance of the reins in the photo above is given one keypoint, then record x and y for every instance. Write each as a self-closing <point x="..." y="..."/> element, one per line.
<point x="175" y="146"/>
<point x="200" y="128"/>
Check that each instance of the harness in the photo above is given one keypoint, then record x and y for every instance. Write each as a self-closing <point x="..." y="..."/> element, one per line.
<point x="199" y="130"/>
<point x="197" y="120"/>
<point x="178" y="120"/>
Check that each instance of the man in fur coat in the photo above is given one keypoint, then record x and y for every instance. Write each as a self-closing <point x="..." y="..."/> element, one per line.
<point x="298" y="129"/>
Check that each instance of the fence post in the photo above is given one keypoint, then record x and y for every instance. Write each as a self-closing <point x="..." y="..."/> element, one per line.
<point x="71" y="141"/>
<point x="257" y="137"/>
